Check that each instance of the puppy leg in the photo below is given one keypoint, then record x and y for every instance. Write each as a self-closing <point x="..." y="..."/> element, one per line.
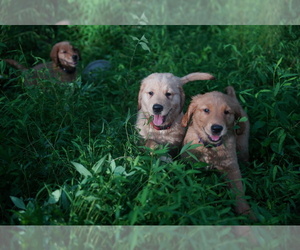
<point x="235" y="184"/>
<point x="151" y="144"/>
<point x="242" y="148"/>
<point x="154" y="145"/>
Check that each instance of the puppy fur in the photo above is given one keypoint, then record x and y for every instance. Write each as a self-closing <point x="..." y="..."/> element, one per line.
<point x="160" y="103"/>
<point x="62" y="68"/>
<point x="213" y="123"/>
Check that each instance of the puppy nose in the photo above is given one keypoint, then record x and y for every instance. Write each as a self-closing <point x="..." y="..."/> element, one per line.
<point x="75" y="57"/>
<point x="157" y="108"/>
<point x="216" y="129"/>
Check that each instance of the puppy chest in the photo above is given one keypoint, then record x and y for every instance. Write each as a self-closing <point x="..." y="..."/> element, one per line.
<point x="218" y="157"/>
<point x="168" y="136"/>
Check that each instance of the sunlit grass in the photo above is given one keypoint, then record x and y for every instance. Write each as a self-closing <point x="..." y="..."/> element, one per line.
<point x="69" y="153"/>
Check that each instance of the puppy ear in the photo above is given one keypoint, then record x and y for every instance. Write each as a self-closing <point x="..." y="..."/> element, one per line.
<point x="196" y="76"/>
<point x="54" y="54"/>
<point x="182" y="99"/>
<point x="238" y="111"/>
<point x="78" y="53"/>
<point x="238" y="114"/>
<point x="140" y="96"/>
<point x="230" y="91"/>
<point x="188" y="115"/>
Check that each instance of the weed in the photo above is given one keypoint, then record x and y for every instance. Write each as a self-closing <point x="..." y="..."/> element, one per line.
<point x="69" y="153"/>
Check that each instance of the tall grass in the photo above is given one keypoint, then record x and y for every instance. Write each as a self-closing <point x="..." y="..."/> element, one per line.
<point x="69" y="153"/>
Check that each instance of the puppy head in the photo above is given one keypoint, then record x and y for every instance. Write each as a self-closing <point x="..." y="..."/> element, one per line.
<point x="212" y="115"/>
<point x="65" y="55"/>
<point x="161" y="98"/>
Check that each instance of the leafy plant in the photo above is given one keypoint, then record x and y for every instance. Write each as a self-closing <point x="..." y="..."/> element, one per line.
<point x="70" y="155"/>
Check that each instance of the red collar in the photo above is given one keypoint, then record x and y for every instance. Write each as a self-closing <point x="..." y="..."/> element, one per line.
<point x="160" y="127"/>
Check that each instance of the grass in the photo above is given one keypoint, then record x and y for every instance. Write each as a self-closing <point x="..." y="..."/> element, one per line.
<point x="69" y="153"/>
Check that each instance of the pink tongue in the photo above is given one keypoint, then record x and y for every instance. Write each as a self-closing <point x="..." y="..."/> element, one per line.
<point x="158" y="120"/>
<point x="215" y="137"/>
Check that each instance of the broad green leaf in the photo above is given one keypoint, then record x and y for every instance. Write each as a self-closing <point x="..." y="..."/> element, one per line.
<point x="276" y="90"/>
<point x="119" y="170"/>
<point x="189" y="146"/>
<point x="130" y="173"/>
<point x="143" y="38"/>
<point x="144" y="46"/>
<point x="281" y="141"/>
<point x="81" y="169"/>
<point x="113" y="165"/>
<point x="137" y="159"/>
<point x="98" y="166"/>
<point x="134" y="38"/>
<point x="54" y="197"/>
<point x="18" y="202"/>
<point x="192" y="155"/>
<point x="243" y="119"/>
<point x="143" y="196"/>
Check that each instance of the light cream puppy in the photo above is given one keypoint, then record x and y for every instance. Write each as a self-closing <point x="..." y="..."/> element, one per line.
<point x="160" y="103"/>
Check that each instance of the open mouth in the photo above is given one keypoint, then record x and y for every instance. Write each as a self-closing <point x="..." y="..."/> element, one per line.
<point x="73" y="64"/>
<point x="214" y="138"/>
<point x="158" y="120"/>
<point x="68" y="63"/>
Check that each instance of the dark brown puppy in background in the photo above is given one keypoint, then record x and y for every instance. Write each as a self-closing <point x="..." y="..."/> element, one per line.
<point x="160" y="103"/>
<point x="62" y="67"/>
<point x="213" y="122"/>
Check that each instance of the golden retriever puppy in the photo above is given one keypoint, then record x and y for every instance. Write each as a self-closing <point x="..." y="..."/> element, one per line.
<point x="160" y="103"/>
<point x="64" y="58"/>
<point x="213" y="122"/>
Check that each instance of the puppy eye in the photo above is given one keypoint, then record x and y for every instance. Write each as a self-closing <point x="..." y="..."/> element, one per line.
<point x="226" y="112"/>
<point x="168" y="94"/>
<point x="206" y="110"/>
<point x="151" y="93"/>
<point x="64" y="51"/>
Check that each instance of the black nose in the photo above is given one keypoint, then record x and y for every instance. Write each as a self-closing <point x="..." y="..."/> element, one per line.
<point x="216" y="129"/>
<point x="157" y="108"/>
<point x="75" y="57"/>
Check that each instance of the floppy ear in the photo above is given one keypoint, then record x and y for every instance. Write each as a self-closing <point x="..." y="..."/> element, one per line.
<point x="188" y="115"/>
<point x="182" y="99"/>
<point x="230" y="91"/>
<point x="238" y="114"/>
<point x="238" y="111"/>
<point x="78" y="52"/>
<point x="54" y="54"/>
<point x="140" y="96"/>
<point x="196" y="76"/>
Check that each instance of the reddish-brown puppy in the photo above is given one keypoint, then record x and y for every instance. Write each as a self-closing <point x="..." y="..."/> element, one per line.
<point x="213" y="122"/>
<point x="62" y="68"/>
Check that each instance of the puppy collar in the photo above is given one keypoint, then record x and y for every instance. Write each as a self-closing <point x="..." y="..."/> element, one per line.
<point x="69" y="71"/>
<point x="209" y="145"/>
<point x="161" y="127"/>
